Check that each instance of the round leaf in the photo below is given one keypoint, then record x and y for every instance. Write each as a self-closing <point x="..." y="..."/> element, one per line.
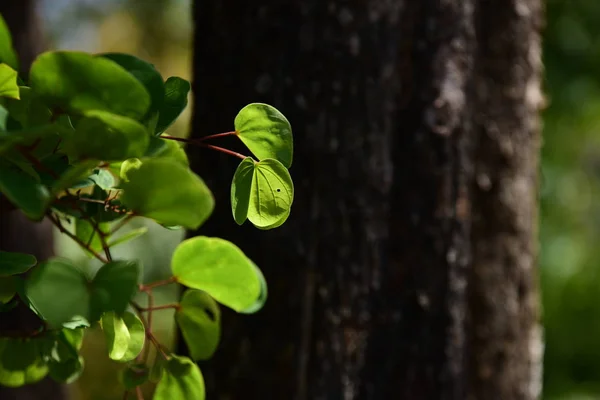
<point x="181" y="379"/>
<point x="168" y="192"/>
<point x="58" y="291"/>
<point x="219" y="268"/>
<point x="262" y="298"/>
<point x="77" y="82"/>
<point x="199" y="319"/>
<point x="68" y="371"/>
<point x="134" y="375"/>
<point x="15" y="263"/>
<point x="263" y="192"/>
<point x="175" y="101"/>
<point x="127" y="137"/>
<point x="266" y="132"/>
<point x="113" y="286"/>
<point x="137" y="336"/>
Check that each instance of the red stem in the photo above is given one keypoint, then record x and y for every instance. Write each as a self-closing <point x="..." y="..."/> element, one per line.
<point x="150" y="286"/>
<point x="163" y="307"/>
<point x="200" y="142"/>
<point x="222" y="150"/>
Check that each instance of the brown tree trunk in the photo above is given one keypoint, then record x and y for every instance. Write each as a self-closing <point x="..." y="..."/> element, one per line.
<point x="17" y="233"/>
<point x="407" y="267"/>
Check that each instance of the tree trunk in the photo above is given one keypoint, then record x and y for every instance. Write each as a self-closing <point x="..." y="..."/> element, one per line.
<point x="17" y="233"/>
<point x="407" y="267"/>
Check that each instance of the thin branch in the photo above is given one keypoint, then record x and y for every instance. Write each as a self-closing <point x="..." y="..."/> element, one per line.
<point x="223" y="150"/>
<point x="175" y="306"/>
<point x="152" y="285"/>
<point x="61" y="228"/>
<point x="200" y="142"/>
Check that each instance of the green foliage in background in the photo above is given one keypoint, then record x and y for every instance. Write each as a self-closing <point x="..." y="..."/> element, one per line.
<point x="83" y="144"/>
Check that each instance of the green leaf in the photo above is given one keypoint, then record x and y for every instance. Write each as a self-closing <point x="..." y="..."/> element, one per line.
<point x="176" y="100"/>
<point x="263" y="192"/>
<point x="113" y="286"/>
<point x="8" y="82"/>
<point x="64" y="362"/>
<point x="181" y="379"/>
<point x="8" y="54"/>
<point x="132" y="234"/>
<point x="134" y="375"/>
<point x="131" y="164"/>
<point x="266" y="132"/>
<point x="166" y="148"/>
<point x="30" y="111"/>
<point x="8" y="289"/>
<point x="103" y="178"/>
<point x="77" y="82"/>
<point x="58" y="290"/>
<point x="24" y="192"/>
<point x="20" y="362"/>
<point x="137" y="336"/>
<point x="219" y="268"/>
<point x="116" y="334"/>
<point x="158" y="366"/>
<point x="3" y="120"/>
<point x="262" y="298"/>
<point x="127" y="137"/>
<point x="15" y="263"/>
<point x="75" y="176"/>
<point x="145" y="73"/>
<point x="241" y="186"/>
<point x="168" y="192"/>
<point x="199" y="319"/>
<point x="68" y="371"/>
<point x="85" y="231"/>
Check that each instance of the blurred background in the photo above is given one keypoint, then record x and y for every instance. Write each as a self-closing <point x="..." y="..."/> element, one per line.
<point x="160" y="32"/>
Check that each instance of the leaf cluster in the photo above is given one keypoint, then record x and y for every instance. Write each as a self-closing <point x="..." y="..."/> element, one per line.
<point x="84" y="143"/>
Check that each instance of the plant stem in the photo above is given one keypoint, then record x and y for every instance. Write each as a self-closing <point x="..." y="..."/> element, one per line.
<point x="216" y="135"/>
<point x="138" y="392"/>
<point x="223" y="150"/>
<point x="175" y="306"/>
<point x="152" y="285"/>
<point x="36" y="163"/>
<point x="122" y="223"/>
<point x="61" y="228"/>
<point x="200" y="142"/>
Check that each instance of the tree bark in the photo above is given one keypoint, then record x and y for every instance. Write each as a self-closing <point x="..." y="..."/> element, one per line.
<point x="17" y="233"/>
<point x="407" y="267"/>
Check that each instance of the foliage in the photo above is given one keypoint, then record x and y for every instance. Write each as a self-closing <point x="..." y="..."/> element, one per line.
<point x="83" y="144"/>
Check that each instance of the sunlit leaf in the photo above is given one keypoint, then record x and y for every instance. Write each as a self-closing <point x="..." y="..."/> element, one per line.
<point x="77" y="82"/>
<point x="144" y="72"/>
<point x="168" y="192"/>
<point x="266" y="132"/>
<point x="181" y="379"/>
<point x="262" y="298"/>
<point x="8" y="82"/>
<point x="263" y="192"/>
<point x="116" y="334"/>
<point x="219" y="268"/>
<point x="7" y="52"/>
<point x="199" y="319"/>
<point x="127" y="237"/>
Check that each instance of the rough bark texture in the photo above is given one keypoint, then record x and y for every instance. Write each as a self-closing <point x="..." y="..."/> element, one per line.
<point x="407" y="267"/>
<point x="17" y="233"/>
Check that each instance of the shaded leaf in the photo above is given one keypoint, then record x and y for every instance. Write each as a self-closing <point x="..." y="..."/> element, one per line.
<point x="20" y="362"/>
<point x="134" y="375"/>
<point x="58" y="291"/>
<point x="24" y="192"/>
<point x="15" y="263"/>
<point x="175" y="101"/>
<point x="8" y="289"/>
<point x="199" y="319"/>
<point x="113" y="286"/>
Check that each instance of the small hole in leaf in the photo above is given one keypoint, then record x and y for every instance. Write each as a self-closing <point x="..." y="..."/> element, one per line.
<point x="210" y="314"/>
<point x="279" y="190"/>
